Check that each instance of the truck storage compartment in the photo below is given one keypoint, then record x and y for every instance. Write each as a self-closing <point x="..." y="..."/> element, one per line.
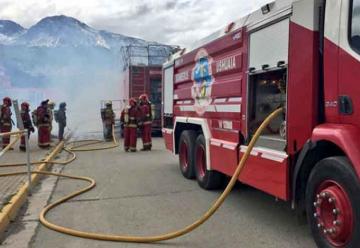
<point x="168" y="94"/>
<point x="267" y="92"/>
<point x="269" y="46"/>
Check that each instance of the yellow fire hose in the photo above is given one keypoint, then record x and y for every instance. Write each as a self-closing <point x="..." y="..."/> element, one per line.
<point x="71" y="159"/>
<point x="70" y="149"/>
<point x="144" y="239"/>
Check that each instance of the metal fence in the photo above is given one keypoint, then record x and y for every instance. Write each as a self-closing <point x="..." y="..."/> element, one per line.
<point x="151" y="55"/>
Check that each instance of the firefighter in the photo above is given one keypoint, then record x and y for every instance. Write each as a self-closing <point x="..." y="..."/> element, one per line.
<point x="51" y="107"/>
<point x="146" y="121"/>
<point x="5" y="120"/>
<point x="108" y="119"/>
<point x="25" y="116"/>
<point x="129" y="119"/>
<point x="43" y="124"/>
<point x="60" y="118"/>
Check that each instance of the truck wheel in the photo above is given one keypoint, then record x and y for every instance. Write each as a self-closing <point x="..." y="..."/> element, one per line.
<point x="186" y="153"/>
<point x="333" y="204"/>
<point x="207" y="179"/>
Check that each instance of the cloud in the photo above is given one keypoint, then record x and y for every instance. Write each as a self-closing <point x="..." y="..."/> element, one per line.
<point x="170" y="5"/>
<point x="141" y="10"/>
<point x="179" y="22"/>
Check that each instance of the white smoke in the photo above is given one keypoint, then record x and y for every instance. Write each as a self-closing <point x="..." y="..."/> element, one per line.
<point x="82" y="80"/>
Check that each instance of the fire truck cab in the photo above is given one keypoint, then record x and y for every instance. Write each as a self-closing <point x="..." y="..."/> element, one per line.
<point x="303" y="56"/>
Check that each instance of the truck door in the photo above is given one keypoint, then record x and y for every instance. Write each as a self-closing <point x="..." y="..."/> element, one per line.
<point x="331" y="59"/>
<point x="349" y="63"/>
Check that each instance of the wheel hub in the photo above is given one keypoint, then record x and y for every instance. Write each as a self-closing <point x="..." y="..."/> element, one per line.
<point x="333" y="213"/>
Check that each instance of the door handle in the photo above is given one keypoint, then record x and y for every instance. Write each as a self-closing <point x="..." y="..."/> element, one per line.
<point x="346" y="105"/>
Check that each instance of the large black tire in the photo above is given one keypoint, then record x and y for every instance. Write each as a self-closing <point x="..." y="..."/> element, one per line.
<point x="186" y="153"/>
<point x="207" y="179"/>
<point x="332" y="193"/>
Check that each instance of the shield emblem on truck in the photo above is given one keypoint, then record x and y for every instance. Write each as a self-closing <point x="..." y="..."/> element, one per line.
<point x="203" y="80"/>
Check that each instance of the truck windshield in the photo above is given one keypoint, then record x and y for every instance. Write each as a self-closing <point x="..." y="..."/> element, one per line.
<point x="355" y="25"/>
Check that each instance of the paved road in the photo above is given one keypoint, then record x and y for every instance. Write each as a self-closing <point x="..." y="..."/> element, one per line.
<point x="145" y="194"/>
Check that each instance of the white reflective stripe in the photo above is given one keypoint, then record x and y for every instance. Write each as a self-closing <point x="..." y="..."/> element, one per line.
<point x="271" y="152"/>
<point x="181" y="119"/>
<point x="211" y="108"/>
<point x="228" y="108"/>
<point x="187" y="102"/>
<point x="214" y="143"/>
<point x="187" y="108"/>
<point x="230" y="147"/>
<point x="273" y="158"/>
<point x="225" y="144"/>
<point x="167" y="130"/>
<point x="179" y="102"/>
<point x="176" y="97"/>
<point x="244" y="148"/>
<point x="267" y="153"/>
<point x="224" y="108"/>
<point x="235" y="99"/>
<point x="220" y="100"/>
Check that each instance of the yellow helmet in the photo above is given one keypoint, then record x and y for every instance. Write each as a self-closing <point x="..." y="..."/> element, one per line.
<point x="51" y="104"/>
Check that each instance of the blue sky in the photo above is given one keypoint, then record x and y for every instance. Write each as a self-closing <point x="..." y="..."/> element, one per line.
<point x="178" y="22"/>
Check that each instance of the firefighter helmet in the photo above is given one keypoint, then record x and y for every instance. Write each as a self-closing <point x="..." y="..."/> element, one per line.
<point x="144" y="98"/>
<point x="7" y="101"/>
<point x="132" y="101"/>
<point x="25" y="106"/>
<point x="108" y="103"/>
<point x="51" y="104"/>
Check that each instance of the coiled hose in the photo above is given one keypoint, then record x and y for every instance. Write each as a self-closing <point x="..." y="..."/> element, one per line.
<point x="143" y="239"/>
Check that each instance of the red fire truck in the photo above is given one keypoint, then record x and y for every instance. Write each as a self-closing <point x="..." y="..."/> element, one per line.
<point x="304" y="56"/>
<point x="140" y="79"/>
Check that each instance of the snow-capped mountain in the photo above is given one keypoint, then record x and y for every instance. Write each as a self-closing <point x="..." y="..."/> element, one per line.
<point x="57" y="31"/>
<point x="64" y="59"/>
<point x="59" y="42"/>
<point x="9" y="31"/>
<point x="10" y="28"/>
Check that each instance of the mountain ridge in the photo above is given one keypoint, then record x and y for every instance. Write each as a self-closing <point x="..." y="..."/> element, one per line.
<point x="62" y="30"/>
<point x="8" y="27"/>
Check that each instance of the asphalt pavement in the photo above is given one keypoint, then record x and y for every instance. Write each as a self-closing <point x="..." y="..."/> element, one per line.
<point x="144" y="193"/>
